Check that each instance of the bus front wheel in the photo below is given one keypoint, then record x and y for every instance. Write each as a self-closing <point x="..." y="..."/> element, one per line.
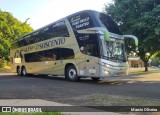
<point x="71" y="73"/>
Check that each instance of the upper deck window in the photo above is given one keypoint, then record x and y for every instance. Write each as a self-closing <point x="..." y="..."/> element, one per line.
<point x="58" y="29"/>
<point x="81" y="21"/>
<point x="109" y="23"/>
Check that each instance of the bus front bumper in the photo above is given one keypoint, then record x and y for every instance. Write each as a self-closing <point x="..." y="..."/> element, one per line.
<point x="114" y="70"/>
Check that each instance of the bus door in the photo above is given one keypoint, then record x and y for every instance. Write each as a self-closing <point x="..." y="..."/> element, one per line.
<point x="51" y="59"/>
<point x="91" y="55"/>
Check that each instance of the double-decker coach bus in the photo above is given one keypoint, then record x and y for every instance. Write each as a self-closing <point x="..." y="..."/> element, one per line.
<point x="85" y="44"/>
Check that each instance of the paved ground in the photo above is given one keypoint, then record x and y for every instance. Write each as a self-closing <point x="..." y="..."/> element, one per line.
<point x="60" y="90"/>
<point x="51" y="91"/>
<point x="29" y="102"/>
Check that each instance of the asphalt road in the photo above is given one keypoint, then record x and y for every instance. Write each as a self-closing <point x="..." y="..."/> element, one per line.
<point x="60" y="90"/>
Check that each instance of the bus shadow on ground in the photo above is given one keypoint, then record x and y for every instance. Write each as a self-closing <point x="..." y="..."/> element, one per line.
<point x="127" y="80"/>
<point x="82" y="80"/>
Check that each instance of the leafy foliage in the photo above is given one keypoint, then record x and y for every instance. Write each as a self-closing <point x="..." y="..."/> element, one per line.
<point x="142" y="19"/>
<point x="10" y="29"/>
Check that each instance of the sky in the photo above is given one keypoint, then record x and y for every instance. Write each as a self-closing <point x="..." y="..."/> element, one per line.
<point x="43" y="12"/>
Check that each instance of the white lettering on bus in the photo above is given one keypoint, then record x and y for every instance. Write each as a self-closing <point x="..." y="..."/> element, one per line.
<point x="82" y="25"/>
<point x="78" y="22"/>
<point x="45" y="45"/>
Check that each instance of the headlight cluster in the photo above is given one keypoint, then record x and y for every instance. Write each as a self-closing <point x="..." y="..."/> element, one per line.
<point x="107" y="65"/>
<point x="106" y="72"/>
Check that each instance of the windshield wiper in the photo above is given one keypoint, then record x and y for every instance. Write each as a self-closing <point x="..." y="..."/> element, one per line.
<point x="114" y="58"/>
<point x="108" y="58"/>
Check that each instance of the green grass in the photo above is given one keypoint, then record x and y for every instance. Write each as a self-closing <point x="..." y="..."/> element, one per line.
<point x="123" y="101"/>
<point x="144" y="72"/>
<point x="43" y="113"/>
<point x="5" y="69"/>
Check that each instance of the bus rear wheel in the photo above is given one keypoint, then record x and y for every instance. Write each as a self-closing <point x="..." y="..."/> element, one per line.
<point x="71" y="74"/>
<point x="19" y="71"/>
<point x="23" y="71"/>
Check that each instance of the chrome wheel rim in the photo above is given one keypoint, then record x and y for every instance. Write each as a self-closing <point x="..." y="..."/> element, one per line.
<point x="19" y="71"/>
<point x="72" y="73"/>
<point x="24" y="71"/>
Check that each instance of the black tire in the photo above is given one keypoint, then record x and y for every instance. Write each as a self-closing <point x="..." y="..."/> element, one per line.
<point x="71" y="74"/>
<point x="18" y="71"/>
<point x="23" y="71"/>
<point x="95" y="78"/>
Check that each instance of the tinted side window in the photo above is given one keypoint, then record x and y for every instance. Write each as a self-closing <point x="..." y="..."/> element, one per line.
<point x="47" y="55"/>
<point x="36" y="37"/>
<point x="91" y="49"/>
<point x="33" y="57"/>
<point x="67" y="53"/>
<point x="22" y="42"/>
<point x="108" y="22"/>
<point x="50" y="55"/>
<point x="90" y="44"/>
<point x="58" y="29"/>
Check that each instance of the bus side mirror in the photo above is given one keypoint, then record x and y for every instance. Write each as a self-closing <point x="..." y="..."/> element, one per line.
<point x="106" y="36"/>
<point x="127" y="58"/>
<point x="132" y="37"/>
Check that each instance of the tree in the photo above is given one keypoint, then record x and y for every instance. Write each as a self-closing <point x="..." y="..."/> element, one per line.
<point x="142" y="19"/>
<point x="10" y="29"/>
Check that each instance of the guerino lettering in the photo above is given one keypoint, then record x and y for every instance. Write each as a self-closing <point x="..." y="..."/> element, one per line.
<point x="50" y="43"/>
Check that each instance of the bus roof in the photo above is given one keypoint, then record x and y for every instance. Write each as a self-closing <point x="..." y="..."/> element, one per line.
<point x="92" y="13"/>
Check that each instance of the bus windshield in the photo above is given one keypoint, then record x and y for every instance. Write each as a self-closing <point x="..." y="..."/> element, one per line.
<point x="114" y="50"/>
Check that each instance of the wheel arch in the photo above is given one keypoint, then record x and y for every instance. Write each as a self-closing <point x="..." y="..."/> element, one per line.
<point x="23" y="66"/>
<point x="18" y="67"/>
<point x="70" y="64"/>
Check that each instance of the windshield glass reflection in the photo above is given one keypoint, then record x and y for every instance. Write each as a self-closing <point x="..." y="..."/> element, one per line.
<point x="114" y="50"/>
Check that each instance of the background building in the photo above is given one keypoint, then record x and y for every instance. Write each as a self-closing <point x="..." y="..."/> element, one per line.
<point x="135" y="62"/>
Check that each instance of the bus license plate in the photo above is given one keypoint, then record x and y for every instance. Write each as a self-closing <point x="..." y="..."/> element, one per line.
<point x="120" y="73"/>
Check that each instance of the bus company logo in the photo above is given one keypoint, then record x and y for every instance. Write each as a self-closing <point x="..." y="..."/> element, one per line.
<point x="21" y="109"/>
<point x="51" y="43"/>
<point x="6" y="109"/>
<point x="18" y="54"/>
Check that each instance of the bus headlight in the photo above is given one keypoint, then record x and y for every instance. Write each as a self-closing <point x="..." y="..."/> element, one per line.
<point x="106" y="72"/>
<point x="107" y="65"/>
